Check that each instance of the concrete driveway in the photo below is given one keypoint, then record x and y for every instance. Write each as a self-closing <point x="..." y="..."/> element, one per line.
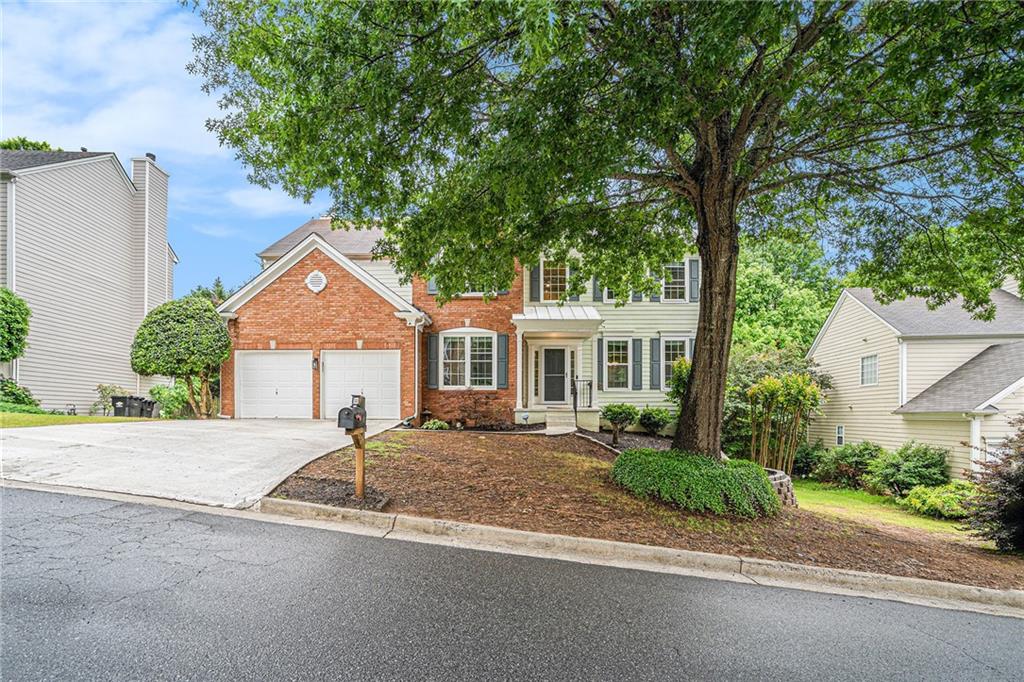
<point x="223" y="463"/>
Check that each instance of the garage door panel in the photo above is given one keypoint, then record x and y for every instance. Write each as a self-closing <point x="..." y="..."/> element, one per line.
<point x="374" y="373"/>
<point x="275" y="384"/>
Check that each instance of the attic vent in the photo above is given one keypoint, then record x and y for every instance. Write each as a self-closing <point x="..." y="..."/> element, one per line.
<point x="316" y="281"/>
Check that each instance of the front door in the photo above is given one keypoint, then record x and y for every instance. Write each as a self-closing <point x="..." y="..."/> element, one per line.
<point x="554" y="375"/>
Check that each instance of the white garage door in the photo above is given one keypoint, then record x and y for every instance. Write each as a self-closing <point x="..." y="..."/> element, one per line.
<point x="276" y="383"/>
<point x="374" y="373"/>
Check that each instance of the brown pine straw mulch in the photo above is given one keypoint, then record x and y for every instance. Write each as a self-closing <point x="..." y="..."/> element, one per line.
<point x="562" y="485"/>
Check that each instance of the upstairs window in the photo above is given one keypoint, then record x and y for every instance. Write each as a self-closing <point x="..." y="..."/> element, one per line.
<point x="869" y="370"/>
<point x="555" y="280"/>
<point x="674" y="288"/>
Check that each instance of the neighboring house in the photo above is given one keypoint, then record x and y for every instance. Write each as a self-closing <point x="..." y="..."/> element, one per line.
<point x="904" y="372"/>
<point x="323" y="321"/>
<point x="86" y="247"/>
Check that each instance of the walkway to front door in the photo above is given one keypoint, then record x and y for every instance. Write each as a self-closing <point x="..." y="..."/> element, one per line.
<point x="554" y="375"/>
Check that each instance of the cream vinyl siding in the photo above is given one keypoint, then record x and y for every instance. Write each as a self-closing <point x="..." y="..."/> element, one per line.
<point x="3" y="233"/>
<point x="78" y="267"/>
<point x="999" y="427"/>
<point x="866" y="411"/>
<point x="635" y="320"/>
<point x="1011" y="285"/>
<point x="383" y="271"/>
<point x="928" y="360"/>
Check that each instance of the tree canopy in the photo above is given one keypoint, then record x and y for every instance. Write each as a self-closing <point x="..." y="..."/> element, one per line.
<point x="14" y="317"/>
<point x="217" y="293"/>
<point x="21" y="142"/>
<point x="618" y="135"/>
<point x="186" y="339"/>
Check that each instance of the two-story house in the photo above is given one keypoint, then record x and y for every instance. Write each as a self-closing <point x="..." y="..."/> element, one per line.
<point x="323" y="321"/>
<point x="86" y="246"/>
<point x="905" y="372"/>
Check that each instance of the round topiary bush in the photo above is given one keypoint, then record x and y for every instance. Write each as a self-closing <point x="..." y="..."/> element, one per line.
<point x="654" y="419"/>
<point x="696" y="483"/>
<point x="620" y="416"/>
<point x="14" y="316"/>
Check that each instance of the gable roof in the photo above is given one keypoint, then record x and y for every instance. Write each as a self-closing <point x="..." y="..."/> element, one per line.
<point x="974" y="386"/>
<point x="312" y="243"/>
<point x="912" y="317"/>
<point x="19" y="159"/>
<point x="347" y="242"/>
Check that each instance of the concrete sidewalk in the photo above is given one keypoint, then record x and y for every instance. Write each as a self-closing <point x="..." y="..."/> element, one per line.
<point x="223" y="463"/>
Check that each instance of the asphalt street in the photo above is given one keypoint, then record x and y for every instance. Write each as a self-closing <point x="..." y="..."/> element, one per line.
<point x="100" y="589"/>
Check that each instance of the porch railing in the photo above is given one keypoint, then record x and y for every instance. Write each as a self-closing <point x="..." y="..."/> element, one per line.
<point x="582" y="394"/>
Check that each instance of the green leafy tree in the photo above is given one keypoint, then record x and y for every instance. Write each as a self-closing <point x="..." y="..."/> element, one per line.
<point x="185" y="339"/>
<point x="14" y="317"/>
<point x="615" y="135"/>
<point x="216" y="292"/>
<point x="20" y="142"/>
<point x="620" y="416"/>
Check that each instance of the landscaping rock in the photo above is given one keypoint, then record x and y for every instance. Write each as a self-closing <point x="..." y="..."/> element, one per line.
<point x="783" y="485"/>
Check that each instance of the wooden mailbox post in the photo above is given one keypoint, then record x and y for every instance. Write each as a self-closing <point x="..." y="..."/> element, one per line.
<point x="359" y="440"/>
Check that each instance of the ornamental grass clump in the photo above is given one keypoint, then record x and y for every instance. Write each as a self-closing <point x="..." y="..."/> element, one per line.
<point x="696" y="483"/>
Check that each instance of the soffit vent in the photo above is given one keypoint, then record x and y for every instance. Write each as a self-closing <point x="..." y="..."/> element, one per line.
<point x="316" y="281"/>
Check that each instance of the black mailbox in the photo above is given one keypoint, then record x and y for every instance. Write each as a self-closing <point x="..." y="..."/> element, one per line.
<point x="353" y="417"/>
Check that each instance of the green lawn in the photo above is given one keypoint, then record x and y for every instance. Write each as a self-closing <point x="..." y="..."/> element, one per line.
<point x="17" y="420"/>
<point x="858" y="505"/>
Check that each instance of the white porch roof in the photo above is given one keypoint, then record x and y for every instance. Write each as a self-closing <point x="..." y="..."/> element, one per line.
<point x="558" y="320"/>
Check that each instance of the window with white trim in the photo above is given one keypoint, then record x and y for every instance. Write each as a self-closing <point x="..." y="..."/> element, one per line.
<point x="674" y="286"/>
<point x="554" y="280"/>
<point x="467" y="360"/>
<point x="840" y="434"/>
<point x="869" y="370"/>
<point x="616" y="363"/>
<point x="672" y="350"/>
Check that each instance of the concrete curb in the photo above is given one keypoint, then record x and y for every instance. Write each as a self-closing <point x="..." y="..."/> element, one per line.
<point x="665" y="559"/>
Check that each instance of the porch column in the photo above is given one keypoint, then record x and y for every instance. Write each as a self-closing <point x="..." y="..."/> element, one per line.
<point x="520" y="362"/>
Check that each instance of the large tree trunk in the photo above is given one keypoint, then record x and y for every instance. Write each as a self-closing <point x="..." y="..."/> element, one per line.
<point x="699" y="428"/>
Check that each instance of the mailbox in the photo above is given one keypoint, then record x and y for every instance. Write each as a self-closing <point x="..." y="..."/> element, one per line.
<point x="353" y="417"/>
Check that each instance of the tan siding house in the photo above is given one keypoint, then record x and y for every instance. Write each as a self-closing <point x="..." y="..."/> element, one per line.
<point x="903" y="372"/>
<point x="91" y="259"/>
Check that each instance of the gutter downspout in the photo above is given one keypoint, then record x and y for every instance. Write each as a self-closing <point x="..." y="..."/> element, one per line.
<point x="977" y="454"/>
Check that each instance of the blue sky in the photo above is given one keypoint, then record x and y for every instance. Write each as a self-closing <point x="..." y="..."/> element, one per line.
<point x="111" y="77"/>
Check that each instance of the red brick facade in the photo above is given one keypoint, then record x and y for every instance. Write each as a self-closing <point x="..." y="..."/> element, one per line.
<point x="292" y="316"/>
<point x="494" y="315"/>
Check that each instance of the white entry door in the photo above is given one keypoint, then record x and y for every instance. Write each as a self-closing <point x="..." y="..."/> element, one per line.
<point x="274" y="384"/>
<point x="374" y="373"/>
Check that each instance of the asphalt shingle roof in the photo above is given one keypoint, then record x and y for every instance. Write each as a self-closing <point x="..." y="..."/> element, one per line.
<point x="348" y="242"/>
<point x="912" y="317"/>
<point x="19" y="159"/>
<point x="971" y="384"/>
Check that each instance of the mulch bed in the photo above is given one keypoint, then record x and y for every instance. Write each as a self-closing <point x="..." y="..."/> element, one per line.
<point x="629" y="441"/>
<point x="562" y="485"/>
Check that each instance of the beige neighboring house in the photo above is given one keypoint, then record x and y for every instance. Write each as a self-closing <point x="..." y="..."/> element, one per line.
<point x="86" y="246"/>
<point x="904" y="372"/>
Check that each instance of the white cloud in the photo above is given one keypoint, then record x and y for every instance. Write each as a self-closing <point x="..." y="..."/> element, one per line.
<point x="264" y="203"/>
<point x="217" y="231"/>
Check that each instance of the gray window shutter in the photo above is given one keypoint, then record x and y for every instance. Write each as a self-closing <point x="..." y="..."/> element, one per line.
<point x="431" y="286"/>
<point x="638" y="364"/>
<point x="432" y="342"/>
<point x="637" y="296"/>
<point x="535" y="283"/>
<point x="600" y="364"/>
<point x="656" y="297"/>
<point x="598" y="291"/>
<point x="655" y="363"/>
<point x="502" y="360"/>
<point x="570" y="272"/>
<point x="694" y="285"/>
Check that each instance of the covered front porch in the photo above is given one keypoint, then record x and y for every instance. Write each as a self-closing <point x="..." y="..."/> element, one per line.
<point x="555" y="377"/>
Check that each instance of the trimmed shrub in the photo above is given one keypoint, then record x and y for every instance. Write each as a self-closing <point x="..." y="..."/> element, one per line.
<point x="996" y="513"/>
<point x="620" y="416"/>
<point x="654" y="419"/>
<point x="697" y="483"/>
<point x="14" y="317"/>
<point x="912" y="465"/>
<point x="11" y="392"/>
<point x="807" y="457"/>
<point x="940" y="501"/>
<point x="21" y="409"/>
<point x="845" y="465"/>
<point x="435" y="425"/>
<point x="676" y="388"/>
<point x="173" y="400"/>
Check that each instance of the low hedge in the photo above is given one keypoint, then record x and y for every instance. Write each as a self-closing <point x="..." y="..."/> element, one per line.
<point x="947" y="501"/>
<point x="696" y="483"/>
<point x="21" y="409"/>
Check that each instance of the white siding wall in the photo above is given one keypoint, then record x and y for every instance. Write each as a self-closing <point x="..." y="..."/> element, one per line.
<point x="928" y="360"/>
<point x="866" y="411"/>
<point x="383" y="270"/>
<point x="78" y="267"/>
<point x="3" y="233"/>
<point x="1012" y="285"/>
<point x="998" y="427"/>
